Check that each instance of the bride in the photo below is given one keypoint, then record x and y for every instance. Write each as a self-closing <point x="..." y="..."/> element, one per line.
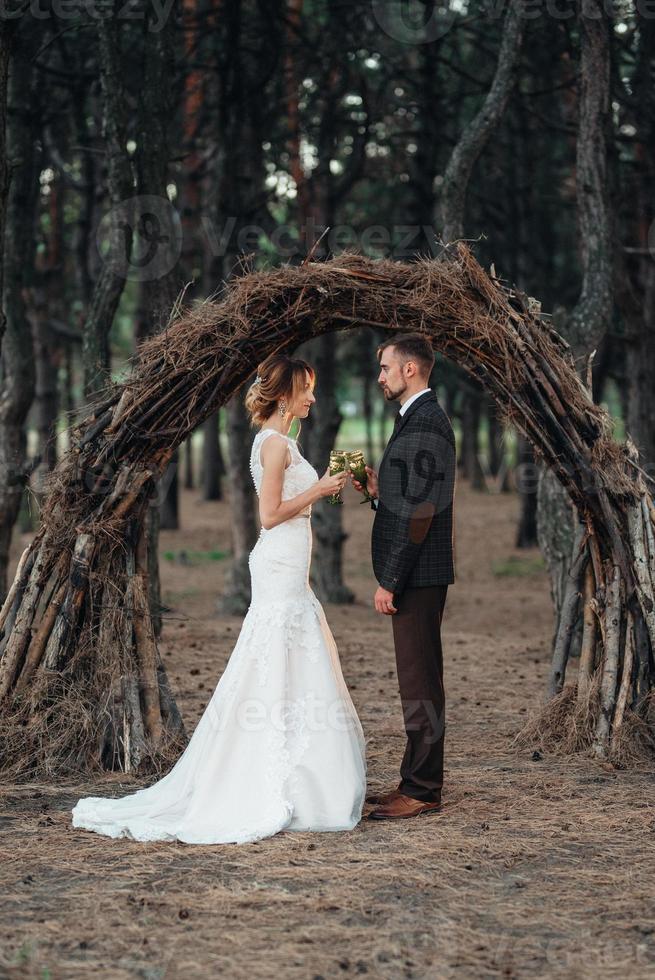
<point x="280" y="745"/>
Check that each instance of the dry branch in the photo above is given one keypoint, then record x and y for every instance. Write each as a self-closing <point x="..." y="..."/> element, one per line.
<point x="589" y="634"/>
<point x="610" y="663"/>
<point x="569" y="613"/>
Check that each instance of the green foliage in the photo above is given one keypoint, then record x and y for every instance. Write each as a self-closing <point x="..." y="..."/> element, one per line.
<point x="196" y="557"/>
<point x="519" y="566"/>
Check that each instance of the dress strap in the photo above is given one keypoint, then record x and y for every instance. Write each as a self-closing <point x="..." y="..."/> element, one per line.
<point x="270" y="432"/>
<point x="264" y="433"/>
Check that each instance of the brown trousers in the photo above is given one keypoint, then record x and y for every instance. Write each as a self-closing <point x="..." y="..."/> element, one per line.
<point x="419" y="665"/>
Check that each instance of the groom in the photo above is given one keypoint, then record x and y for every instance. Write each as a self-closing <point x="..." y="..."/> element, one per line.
<point x="412" y="546"/>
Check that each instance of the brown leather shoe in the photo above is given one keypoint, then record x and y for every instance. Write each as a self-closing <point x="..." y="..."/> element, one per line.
<point x="383" y="797"/>
<point x="402" y="807"/>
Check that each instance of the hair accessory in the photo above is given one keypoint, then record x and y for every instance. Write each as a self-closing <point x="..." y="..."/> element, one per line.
<point x="258" y="380"/>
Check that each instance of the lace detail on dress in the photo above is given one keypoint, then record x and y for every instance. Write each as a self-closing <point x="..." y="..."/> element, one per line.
<point x="287" y="743"/>
<point x="297" y="620"/>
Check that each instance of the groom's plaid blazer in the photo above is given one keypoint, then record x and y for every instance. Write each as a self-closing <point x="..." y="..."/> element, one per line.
<point x="412" y="538"/>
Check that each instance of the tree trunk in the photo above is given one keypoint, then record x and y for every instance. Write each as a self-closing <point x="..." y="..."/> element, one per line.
<point x="84" y="226"/>
<point x="327" y="524"/>
<point x="635" y="274"/>
<point x="212" y="459"/>
<point x="68" y="388"/>
<point x="189" y="472"/>
<point x="169" y="509"/>
<point x="526" y="535"/>
<point x="109" y="286"/>
<point x="18" y="376"/>
<point x="153" y="524"/>
<point x="236" y="595"/>
<point x="368" y="374"/>
<point x="428" y="134"/>
<point x="318" y="200"/>
<point x="239" y="198"/>
<point x="47" y="358"/>
<point x="470" y="420"/>
<point x="52" y="335"/>
<point x="159" y="277"/>
<point x="7" y="30"/>
<point x="480" y="130"/>
<point x="588" y="322"/>
<point x="195" y="97"/>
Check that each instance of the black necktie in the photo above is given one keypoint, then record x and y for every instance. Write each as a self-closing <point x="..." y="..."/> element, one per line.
<point x="397" y="421"/>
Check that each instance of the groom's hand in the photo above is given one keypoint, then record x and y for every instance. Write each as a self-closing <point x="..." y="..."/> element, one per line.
<point x="371" y="482"/>
<point x="383" y="601"/>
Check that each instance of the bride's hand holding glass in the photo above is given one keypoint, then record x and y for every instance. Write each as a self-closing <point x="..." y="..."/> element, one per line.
<point x="331" y="483"/>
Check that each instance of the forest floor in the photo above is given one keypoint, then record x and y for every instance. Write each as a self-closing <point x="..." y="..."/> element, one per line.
<point x="537" y="867"/>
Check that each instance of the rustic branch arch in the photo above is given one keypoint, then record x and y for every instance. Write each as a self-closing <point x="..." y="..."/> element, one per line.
<point x="81" y="680"/>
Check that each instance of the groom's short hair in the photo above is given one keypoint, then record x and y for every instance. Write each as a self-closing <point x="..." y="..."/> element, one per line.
<point x="411" y="347"/>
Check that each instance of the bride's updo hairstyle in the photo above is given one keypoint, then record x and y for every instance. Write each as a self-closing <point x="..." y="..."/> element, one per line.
<point x="279" y="377"/>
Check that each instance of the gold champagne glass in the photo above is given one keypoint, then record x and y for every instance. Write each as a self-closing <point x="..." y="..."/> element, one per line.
<point x="338" y="463"/>
<point x="357" y="466"/>
<point x="352" y="460"/>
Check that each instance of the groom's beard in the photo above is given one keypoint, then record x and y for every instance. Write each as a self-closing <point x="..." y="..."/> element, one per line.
<point x="393" y="396"/>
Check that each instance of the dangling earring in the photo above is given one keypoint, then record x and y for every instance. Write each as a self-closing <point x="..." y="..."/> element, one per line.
<point x="282" y="409"/>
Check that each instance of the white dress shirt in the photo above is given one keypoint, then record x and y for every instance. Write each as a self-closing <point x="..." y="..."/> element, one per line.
<point x="402" y="410"/>
<point x="405" y="405"/>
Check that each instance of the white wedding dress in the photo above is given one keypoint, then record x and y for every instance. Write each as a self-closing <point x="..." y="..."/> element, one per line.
<point x="280" y="745"/>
